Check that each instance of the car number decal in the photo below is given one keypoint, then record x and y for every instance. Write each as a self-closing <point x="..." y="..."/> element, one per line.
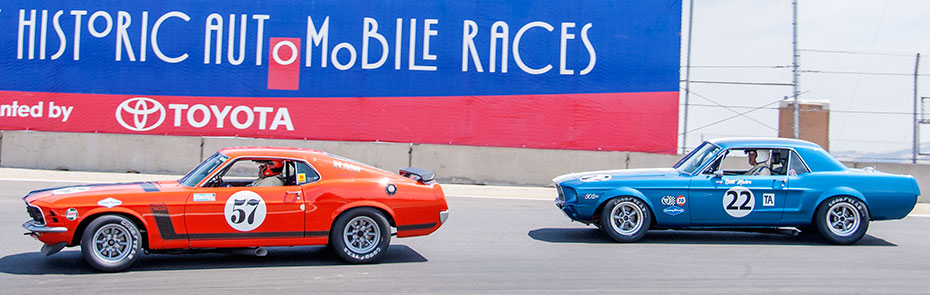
<point x="738" y="201"/>
<point x="245" y="210"/>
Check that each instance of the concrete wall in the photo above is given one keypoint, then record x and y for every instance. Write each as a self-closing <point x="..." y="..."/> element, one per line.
<point x="452" y="164"/>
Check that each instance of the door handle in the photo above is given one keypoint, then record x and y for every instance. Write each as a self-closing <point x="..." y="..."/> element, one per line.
<point x="293" y="193"/>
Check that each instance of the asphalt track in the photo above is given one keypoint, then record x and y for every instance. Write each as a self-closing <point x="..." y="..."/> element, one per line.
<point x="498" y="245"/>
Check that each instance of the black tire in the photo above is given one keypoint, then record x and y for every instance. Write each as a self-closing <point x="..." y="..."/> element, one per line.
<point x="842" y="220"/>
<point x="634" y="219"/>
<point x="360" y="235"/>
<point x="117" y="245"/>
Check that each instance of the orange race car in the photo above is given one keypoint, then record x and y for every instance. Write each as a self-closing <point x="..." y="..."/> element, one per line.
<point x="300" y="197"/>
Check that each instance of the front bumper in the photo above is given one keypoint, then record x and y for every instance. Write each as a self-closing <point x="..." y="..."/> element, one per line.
<point x="32" y="226"/>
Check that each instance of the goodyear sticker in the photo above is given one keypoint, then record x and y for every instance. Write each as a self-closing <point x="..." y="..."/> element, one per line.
<point x="109" y="202"/>
<point x="204" y="197"/>
<point x="673" y="210"/>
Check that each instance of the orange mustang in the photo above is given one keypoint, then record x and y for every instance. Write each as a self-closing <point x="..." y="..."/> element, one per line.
<point x="300" y="197"/>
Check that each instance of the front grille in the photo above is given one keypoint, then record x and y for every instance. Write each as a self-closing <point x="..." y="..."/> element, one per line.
<point x="35" y="213"/>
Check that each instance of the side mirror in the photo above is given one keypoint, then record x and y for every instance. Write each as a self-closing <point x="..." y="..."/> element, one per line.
<point x="718" y="174"/>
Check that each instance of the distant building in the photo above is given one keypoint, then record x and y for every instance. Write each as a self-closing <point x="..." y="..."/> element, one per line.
<point x="814" y="121"/>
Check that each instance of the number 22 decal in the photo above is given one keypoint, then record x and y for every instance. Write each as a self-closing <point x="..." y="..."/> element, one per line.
<point x="738" y="201"/>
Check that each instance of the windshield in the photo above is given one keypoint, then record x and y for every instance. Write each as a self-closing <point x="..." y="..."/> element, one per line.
<point x="697" y="157"/>
<point x="195" y="176"/>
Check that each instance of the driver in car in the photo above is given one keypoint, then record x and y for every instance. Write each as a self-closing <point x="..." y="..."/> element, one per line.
<point x="269" y="174"/>
<point x="758" y="159"/>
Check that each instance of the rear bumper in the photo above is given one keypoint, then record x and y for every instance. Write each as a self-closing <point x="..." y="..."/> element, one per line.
<point x="443" y="215"/>
<point x="38" y="228"/>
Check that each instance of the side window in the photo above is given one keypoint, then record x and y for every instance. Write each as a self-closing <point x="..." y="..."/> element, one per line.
<point x="305" y="174"/>
<point x="779" y="162"/>
<point x="752" y="161"/>
<point x="796" y="166"/>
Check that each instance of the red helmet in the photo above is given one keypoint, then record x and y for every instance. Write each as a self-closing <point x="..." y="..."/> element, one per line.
<point x="272" y="167"/>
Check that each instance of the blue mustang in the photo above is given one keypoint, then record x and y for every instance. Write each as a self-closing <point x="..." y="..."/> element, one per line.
<point x="740" y="183"/>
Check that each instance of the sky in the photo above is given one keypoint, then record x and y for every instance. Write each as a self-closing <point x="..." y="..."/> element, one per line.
<point x="750" y="41"/>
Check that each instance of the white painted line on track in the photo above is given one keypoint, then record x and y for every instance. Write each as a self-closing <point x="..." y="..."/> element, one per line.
<point x="47" y="180"/>
<point x="501" y="198"/>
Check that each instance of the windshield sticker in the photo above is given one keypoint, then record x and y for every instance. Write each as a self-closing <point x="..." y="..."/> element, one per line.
<point x="301" y="177"/>
<point x="70" y="190"/>
<point x="109" y="202"/>
<point x="204" y="197"/>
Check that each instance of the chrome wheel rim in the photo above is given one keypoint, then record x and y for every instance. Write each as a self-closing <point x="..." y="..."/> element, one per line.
<point x="112" y="242"/>
<point x="362" y="234"/>
<point x="626" y="218"/>
<point x="843" y="219"/>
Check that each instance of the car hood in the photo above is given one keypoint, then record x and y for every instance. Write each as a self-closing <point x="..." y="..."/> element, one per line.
<point x="51" y="195"/>
<point x="605" y="175"/>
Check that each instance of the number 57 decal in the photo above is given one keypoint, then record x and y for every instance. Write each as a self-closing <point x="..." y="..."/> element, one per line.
<point x="245" y="211"/>
<point x="738" y="201"/>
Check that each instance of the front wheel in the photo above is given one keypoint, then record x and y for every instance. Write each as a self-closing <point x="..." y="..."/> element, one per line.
<point x="625" y="219"/>
<point x="360" y="235"/>
<point x="111" y="243"/>
<point x="842" y="220"/>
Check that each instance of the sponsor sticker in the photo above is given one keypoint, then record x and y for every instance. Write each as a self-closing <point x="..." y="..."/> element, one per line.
<point x="673" y="210"/>
<point x="204" y="197"/>
<point x="591" y="196"/>
<point x="245" y="210"/>
<point x="301" y="177"/>
<point x="595" y="177"/>
<point x="71" y="214"/>
<point x="681" y="200"/>
<point x="738" y="201"/>
<point x="668" y="200"/>
<point x="70" y="190"/>
<point x="768" y="200"/>
<point x="109" y="202"/>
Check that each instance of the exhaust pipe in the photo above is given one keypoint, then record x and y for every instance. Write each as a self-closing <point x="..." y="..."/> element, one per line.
<point x="259" y="251"/>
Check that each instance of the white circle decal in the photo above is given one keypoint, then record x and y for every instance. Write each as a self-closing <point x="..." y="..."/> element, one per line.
<point x="738" y="201"/>
<point x="245" y="210"/>
<point x="70" y="190"/>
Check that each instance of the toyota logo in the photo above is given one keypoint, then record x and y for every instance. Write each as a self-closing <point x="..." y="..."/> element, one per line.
<point x="141" y="109"/>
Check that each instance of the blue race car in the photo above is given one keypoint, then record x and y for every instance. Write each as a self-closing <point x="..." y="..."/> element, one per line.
<point x="740" y="183"/>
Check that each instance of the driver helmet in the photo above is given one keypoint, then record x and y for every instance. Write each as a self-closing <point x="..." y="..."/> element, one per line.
<point x="271" y="168"/>
<point x="762" y="156"/>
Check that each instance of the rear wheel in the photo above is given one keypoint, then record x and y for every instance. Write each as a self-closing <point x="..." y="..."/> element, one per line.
<point x="625" y="219"/>
<point x="111" y="243"/>
<point x="842" y="220"/>
<point x="360" y="235"/>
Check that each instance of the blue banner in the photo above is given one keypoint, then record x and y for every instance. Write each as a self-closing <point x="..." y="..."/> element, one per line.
<point x="240" y="48"/>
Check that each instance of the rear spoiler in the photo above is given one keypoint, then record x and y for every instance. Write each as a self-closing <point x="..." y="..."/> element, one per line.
<point x="418" y="174"/>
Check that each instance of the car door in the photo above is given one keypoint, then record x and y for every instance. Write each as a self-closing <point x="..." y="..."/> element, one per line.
<point x="721" y="197"/>
<point x="218" y="215"/>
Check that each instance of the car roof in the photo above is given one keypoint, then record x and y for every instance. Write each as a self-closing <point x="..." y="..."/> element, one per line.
<point x="268" y="151"/>
<point x="762" y="142"/>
